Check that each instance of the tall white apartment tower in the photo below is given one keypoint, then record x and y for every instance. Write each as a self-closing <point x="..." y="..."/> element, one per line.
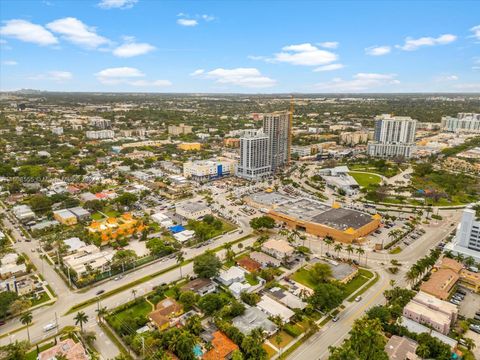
<point x="277" y="126"/>
<point x="254" y="161"/>
<point x="394" y="136"/>
<point x="467" y="239"/>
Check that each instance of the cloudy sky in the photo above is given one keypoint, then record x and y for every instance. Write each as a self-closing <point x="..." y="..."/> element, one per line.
<point x="240" y="46"/>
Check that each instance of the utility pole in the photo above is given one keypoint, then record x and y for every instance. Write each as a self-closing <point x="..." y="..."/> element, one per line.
<point x="56" y="323"/>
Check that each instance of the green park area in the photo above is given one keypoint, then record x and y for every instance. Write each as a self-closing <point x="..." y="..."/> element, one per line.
<point x="364" y="179"/>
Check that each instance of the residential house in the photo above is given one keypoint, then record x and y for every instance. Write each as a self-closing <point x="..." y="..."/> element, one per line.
<point x="401" y="348"/>
<point x="231" y="275"/>
<point x="165" y="311"/>
<point x="254" y="318"/>
<point x="69" y="348"/>
<point x="273" y="308"/>
<point x="222" y="347"/>
<point x="264" y="259"/>
<point x="200" y="286"/>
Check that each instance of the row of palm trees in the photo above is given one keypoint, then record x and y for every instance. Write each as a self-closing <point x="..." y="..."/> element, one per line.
<point x="349" y="249"/>
<point x="422" y="267"/>
<point x="295" y="235"/>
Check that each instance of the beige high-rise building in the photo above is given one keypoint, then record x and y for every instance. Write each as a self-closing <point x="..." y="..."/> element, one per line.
<point x="179" y="129"/>
<point x="277" y="126"/>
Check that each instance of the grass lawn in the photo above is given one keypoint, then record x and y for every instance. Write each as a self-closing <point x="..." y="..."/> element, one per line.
<point x="270" y="351"/>
<point x="251" y="279"/>
<point x="141" y="309"/>
<point x="43" y="298"/>
<point x="362" y="277"/>
<point x="286" y="339"/>
<point x="365" y="288"/>
<point x="365" y="180"/>
<point x="97" y="216"/>
<point x="304" y="277"/>
<point x="396" y="250"/>
<point x="32" y="355"/>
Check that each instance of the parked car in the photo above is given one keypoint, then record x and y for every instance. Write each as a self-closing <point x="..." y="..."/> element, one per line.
<point x="99" y="292"/>
<point x="358" y="299"/>
<point x="335" y="318"/>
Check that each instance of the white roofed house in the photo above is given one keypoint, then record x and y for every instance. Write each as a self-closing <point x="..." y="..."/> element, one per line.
<point x="232" y="275"/>
<point x="273" y="308"/>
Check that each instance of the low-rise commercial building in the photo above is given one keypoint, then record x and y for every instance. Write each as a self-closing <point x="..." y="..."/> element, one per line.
<point x="191" y="146"/>
<point x="316" y="218"/>
<point x="192" y="210"/>
<point x="206" y="170"/>
<point x="279" y="249"/>
<point x="88" y="258"/>
<point x="23" y="213"/>
<point x="338" y="178"/>
<point x="428" y="310"/>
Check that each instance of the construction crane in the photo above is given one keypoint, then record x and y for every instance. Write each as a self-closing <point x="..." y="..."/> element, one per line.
<point x="290" y="129"/>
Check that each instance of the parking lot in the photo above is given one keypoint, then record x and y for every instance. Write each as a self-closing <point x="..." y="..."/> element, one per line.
<point x="470" y="305"/>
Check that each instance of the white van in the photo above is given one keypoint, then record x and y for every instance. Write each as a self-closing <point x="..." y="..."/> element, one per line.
<point x="49" y="327"/>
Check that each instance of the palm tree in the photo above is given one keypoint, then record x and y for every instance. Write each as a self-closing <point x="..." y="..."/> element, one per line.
<point x="469" y="261"/>
<point x="229" y="254"/>
<point x="329" y="241"/>
<point x="392" y="283"/>
<point x="349" y="250"/>
<point x="360" y="252"/>
<point x="338" y="248"/>
<point x="470" y="344"/>
<point x="80" y="319"/>
<point x="180" y="259"/>
<point x="134" y="293"/>
<point x="101" y="313"/>
<point x="26" y="319"/>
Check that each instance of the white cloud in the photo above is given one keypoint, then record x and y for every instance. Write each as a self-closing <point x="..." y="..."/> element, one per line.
<point x="476" y="32"/>
<point x="117" y="4"/>
<point x="54" y="75"/>
<point x="305" y="54"/>
<point x="378" y="50"/>
<point x="330" y="67"/>
<point x="131" y="49"/>
<point x="244" y="77"/>
<point x="447" y="78"/>
<point x="9" y="62"/>
<point x="118" y="75"/>
<point x="207" y="17"/>
<point x="26" y="31"/>
<point x="155" y="83"/>
<point x="77" y="32"/>
<point x="360" y="82"/>
<point x="187" y="22"/>
<point x="197" y="72"/>
<point x="329" y="44"/>
<point x="414" y="44"/>
<point x="129" y="76"/>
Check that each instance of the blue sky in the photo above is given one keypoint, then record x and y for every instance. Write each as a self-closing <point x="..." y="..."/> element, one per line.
<point x="240" y="46"/>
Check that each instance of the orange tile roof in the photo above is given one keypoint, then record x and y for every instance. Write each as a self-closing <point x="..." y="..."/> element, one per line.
<point x="247" y="263"/>
<point x="222" y="347"/>
<point x="440" y="283"/>
<point x="68" y="347"/>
